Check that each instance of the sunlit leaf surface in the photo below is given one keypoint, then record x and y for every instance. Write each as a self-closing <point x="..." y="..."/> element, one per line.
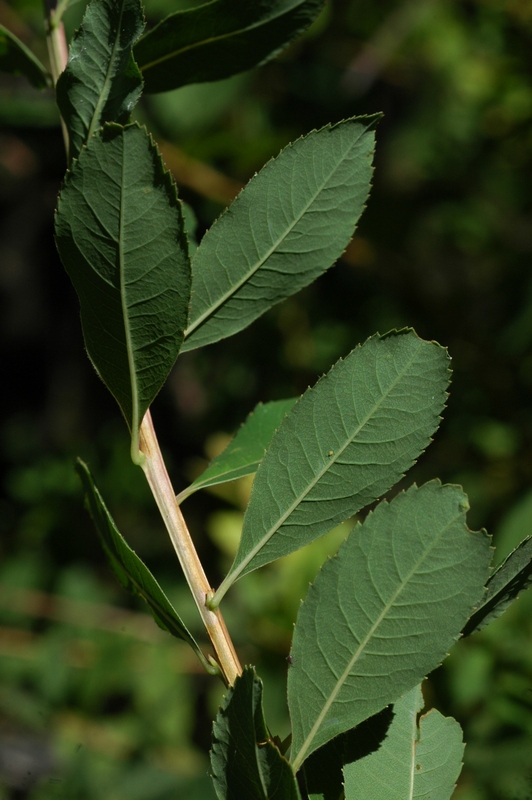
<point x="244" y="453"/>
<point x="344" y="444"/>
<point x="383" y="612"/>
<point x="414" y="762"/>
<point x="291" y="223"/>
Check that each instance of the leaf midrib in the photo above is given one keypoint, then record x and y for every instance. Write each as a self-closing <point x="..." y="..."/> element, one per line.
<point x="135" y="422"/>
<point x="104" y="94"/>
<point x="214" y="307"/>
<point x="215" y="480"/>
<point x="413" y="748"/>
<point x="300" y="757"/>
<point x="299" y="499"/>
<point x="213" y="39"/>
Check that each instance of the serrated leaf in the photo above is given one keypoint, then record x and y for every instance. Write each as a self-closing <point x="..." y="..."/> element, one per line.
<point x="510" y="578"/>
<point x="132" y="573"/>
<point x="245" y="762"/>
<point x="291" y="223"/>
<point x="17" y="59"/>
<point x="323" y="770"/>
<point x="384" y="612"/>
<point x="219" y="39"/>
<point x="245" y="451"/>
<point x="119" y="231"/>
<point x="101" y="82"/>
<point x="343" y="445"/>
<point x="415" y="760"/>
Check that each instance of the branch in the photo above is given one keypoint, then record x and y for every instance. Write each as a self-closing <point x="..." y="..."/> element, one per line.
<point x="157" y="476"/>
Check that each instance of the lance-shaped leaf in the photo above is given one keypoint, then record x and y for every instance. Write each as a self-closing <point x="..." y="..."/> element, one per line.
<point x="119" y="231"/>
<point x="17" y="59"/>
<point x="510" y="578"/>
<point x="219" y="39"/>
<point x="383" y="612"/>
<point x="416" y="760"/>
<point x="101" y="82"/>
<point x="343" y="445"/>
<point x="244" y="453"/>
<point x="132" y="573"/>
<point x="245" y="762"/>
<point x="290" y="223"/>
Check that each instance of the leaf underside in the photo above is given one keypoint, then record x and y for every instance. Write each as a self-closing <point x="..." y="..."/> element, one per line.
<point x="323" y="771"/>
<point x="17" y="59"/>
<point x="132" y="573"/>
<point x="101" y="82"/>
<point x="289" y="225"/>
<point x="245" y="451"/>
<point x="245" y="763"/>
<point x="414" y="761"/>
<point x="119" y="232"/>
<point x="510" y="578"/>
<point x="219" y="39"/>
<point x="383" y="612"/>
<point x="344" y="444"/>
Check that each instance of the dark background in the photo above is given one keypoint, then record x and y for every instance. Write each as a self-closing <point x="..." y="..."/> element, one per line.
<point x="95" y="701"/>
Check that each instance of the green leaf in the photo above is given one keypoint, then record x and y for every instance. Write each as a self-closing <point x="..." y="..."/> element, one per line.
<point x="17" y="59"/>
<point x="101" y="82"/>
<point x="119" y="231"/>
<point x="323" y="770"/>
<point x="219" y="39"/>
<point x="510" y="578"/>
<point x="132" y="573"/>
<point x="383" y="612"/>
<point x="244" y="453"/>
<point x="291" y="223"/>
<point x="245" y="762"/>
<point x="415" y="760"/>
<point x="343" y="445"/>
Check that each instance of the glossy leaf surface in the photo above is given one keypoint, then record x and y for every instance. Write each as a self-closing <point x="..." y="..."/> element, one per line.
<point x="244" y="453"/>
<point x="510" y="578"/>
<point x="344" y="444"/>
<point x="383" y="612"/>
<point x="414" y="761"/>
<point x="119" y="231"/>
<point x="132" y="573"/>
<point x="245" y="762"/>
<point x="101" y="82"/>
<point x="218" y="39"/>
<point x="291" y="223"/>
<point x="17" y="59"/>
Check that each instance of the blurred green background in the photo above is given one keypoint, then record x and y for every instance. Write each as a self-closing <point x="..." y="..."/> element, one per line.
<point x="97" y="702"/>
